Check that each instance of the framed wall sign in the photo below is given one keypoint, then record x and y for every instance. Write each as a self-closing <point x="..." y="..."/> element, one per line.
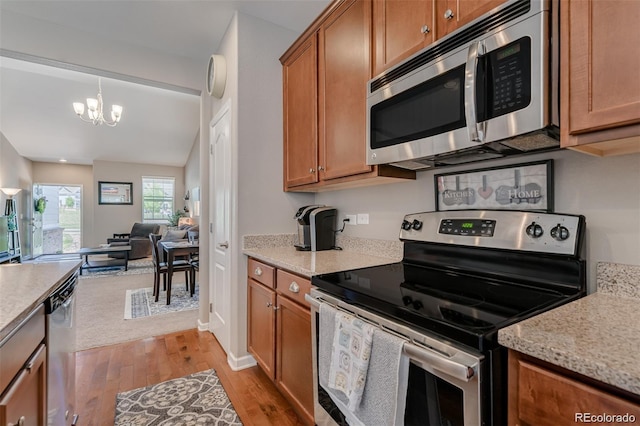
<point x="526" y="186"/>
<point x="115" y="193"/>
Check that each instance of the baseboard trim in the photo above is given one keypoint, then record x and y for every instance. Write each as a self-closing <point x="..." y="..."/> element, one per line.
<point x="203" y="326"/>
<point x="241" y="363"/>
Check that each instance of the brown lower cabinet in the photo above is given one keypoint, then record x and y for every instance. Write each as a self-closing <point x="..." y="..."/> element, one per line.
<point x="23" y="374"/>
<point x="542" y="394"/>
<point x="279" y="332"/>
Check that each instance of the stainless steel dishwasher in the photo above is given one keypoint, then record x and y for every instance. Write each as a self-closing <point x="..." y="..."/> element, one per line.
<point x="61" y="343"/>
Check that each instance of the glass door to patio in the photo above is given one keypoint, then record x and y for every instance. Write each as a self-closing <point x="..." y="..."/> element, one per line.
<point x="57" y="219"/>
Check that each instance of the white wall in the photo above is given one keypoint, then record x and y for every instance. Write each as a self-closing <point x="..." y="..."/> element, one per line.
<point x="254" y="87"/>
<point x="192" y="176"/>
<point x="110" y="219"/>
<point x="605" y="190"/>
<point x="17" y="172"/>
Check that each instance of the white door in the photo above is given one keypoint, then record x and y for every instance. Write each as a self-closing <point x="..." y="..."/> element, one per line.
<point x="219" y="208"/>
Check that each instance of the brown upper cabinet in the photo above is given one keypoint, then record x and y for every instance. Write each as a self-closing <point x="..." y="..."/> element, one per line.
<point x="324" y="82"/>
<point x="600" y="98"/>
<point x="400" y="29"/>
<point x="452" y="14"/>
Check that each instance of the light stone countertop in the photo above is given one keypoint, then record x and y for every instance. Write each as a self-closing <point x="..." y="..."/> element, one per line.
<point x="308" y="263"/>
<point x="24" y="286"/>
<point x="597" y="336"/>
<point x="278" y="250"/>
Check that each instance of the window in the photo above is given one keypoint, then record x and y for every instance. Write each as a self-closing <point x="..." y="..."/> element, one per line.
<point x="157" y="198"/>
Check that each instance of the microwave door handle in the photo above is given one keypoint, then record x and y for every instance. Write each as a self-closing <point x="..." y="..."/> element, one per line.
<point x="476" y="130"/>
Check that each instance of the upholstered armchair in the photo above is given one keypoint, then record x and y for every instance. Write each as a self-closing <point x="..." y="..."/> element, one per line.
<point x="138" y="239"/>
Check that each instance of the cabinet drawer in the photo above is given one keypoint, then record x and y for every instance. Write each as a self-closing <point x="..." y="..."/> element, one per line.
<point x="261" y="272"/>
<point x="24" y="401"/>
<point x="293" y="286"/>
<point x="15" y="351"/>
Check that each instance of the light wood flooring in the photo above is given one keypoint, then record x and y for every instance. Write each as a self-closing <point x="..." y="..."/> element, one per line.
<point x="103" y="372"/>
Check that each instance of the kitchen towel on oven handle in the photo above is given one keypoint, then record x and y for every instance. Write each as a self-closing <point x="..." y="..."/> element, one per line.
<point x="384" y="396"/>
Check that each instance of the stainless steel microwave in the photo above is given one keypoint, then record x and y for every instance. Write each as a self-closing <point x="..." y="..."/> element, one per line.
<point x="488" y="90"/>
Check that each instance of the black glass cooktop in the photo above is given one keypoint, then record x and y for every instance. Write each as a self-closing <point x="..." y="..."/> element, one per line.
<point x="462" y="308"/>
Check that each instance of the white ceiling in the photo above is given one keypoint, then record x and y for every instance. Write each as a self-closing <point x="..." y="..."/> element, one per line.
<point x="36" y="115"/>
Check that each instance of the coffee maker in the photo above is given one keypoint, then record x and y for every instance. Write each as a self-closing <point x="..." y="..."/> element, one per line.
<point x="316" y="228"/>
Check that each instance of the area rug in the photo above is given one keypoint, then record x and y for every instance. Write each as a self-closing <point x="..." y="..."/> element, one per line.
<point x="140" y="302"/>
<point x="135" y="267"/>
<point x="196" y="399"/>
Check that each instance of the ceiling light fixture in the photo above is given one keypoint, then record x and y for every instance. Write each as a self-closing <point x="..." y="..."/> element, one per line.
<point x="94" y="110"/>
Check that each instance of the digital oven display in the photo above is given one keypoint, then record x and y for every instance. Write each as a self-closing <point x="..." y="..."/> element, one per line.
<point x="468" y="227"/>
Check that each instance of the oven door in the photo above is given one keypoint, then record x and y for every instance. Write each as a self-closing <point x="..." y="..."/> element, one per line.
<point x="444" y="386"/>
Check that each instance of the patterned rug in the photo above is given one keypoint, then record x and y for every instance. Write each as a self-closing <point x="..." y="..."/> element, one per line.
<point x="141" y="303"/>
<point x="196" y="399"/>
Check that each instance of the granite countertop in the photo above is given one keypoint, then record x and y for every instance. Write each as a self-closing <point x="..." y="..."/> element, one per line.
<point x="597" y="336"/>
<point x="24" y="286"/>
<point x="278" y="251"/>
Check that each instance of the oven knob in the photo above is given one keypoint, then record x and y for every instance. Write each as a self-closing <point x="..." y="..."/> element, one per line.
<point x="417" y="305"/>
<point x="406" y="225"/>
<point x="559" y="233"/>
<point x="534" y="230"/>
<point x="407" y="300"/>
<point x="416" y="224"/>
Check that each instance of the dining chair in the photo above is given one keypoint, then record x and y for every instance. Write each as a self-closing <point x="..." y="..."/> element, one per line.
<point x="162" y="268"/>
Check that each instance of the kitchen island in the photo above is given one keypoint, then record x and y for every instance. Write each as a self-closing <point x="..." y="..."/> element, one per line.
<point x="25" y="286"/>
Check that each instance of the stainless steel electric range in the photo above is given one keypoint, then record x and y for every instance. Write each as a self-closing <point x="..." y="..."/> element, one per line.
<point x="464" y="275"/>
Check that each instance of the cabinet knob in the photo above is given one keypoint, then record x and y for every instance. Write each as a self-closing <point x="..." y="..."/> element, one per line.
<point x="312" y="170"/>
<point x="448" y="14"/>
<point x="269" y="304"/>
<point x="258" y="271"/>
<point x="294" y="287"/>
<point x="425" y="29"/>
<point x="21" y="422"/>
<point x="320" y="168"/>
<point x="275" y="308"/>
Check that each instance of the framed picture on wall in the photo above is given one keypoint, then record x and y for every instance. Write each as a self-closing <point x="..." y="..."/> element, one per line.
<point x="526" y="186"/>
<point x="115" y="193"/>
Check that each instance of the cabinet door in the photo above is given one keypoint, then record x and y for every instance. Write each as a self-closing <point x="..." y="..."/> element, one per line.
<point x="603" y="64"/>
<point x="261" y="326"/>
<point x="24" y="402"/>
<point x="400" y="29"/>
<point x="452" y="14"/>
<point x="344" y="71"/>
<point x="300" y="103"/>
<point x="293" y="342"/>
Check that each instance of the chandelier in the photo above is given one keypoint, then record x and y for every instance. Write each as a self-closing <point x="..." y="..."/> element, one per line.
<point x="94" y="110"/>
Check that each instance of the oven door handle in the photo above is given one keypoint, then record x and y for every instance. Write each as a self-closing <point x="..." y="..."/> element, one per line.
<point x="447" y="365"/>
<point x="439" y="362"/>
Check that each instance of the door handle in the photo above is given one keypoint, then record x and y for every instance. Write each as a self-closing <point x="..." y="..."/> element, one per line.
<point x="224" y="245"/>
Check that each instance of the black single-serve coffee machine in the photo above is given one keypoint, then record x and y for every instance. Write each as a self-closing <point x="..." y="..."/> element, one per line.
<point x="316" y="228"/>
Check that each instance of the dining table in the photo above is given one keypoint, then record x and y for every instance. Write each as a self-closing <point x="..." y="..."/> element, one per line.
<point x="173" y="249"/>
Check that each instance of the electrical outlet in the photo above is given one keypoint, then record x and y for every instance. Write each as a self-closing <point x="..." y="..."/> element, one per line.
<point x="363" y="218"/>
<point x="352" y="219"/>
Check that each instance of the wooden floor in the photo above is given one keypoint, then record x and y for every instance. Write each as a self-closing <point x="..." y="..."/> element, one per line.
<point x="103" y="372"/>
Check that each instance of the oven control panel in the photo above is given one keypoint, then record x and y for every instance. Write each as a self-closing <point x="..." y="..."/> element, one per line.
<point x="503" y="229"/>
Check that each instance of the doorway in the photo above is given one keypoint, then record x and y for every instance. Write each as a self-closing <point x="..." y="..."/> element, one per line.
<point x="57" y="219"/>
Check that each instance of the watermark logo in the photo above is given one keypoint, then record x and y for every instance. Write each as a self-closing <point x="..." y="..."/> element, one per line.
<point x="604" y="418"/>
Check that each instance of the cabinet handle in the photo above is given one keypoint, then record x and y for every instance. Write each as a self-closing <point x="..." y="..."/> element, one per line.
<point x="448" y="14"/>
<point x="425" y="29"/>
<point x="294" y="287"/>
<point x="224" y="245"/>
<point x="258" y="271"/>
<point x="312" y="170"/>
